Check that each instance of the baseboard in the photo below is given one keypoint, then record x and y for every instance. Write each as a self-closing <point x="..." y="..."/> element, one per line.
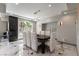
<point x="67" y="43"/>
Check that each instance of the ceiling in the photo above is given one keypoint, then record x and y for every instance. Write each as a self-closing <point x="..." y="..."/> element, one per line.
<point x="43" y="9"/>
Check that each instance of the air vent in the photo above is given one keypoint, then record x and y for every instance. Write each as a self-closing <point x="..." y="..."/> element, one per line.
<point x="36" y="12"/>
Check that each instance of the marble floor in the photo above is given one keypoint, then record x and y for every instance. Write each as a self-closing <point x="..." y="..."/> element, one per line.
<point x="18" y="49"/>
<point x="10" y="48"/>
<point x="68" y="50"/>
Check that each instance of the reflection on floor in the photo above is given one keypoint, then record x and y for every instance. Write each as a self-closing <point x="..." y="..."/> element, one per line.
<point x="10" y="48"/>
<point x="17" y="49"/>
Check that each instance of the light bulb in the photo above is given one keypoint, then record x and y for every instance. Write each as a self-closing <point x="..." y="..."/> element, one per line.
<point x="50" y="5"/>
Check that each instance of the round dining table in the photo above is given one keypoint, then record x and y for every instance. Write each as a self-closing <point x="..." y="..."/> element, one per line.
<point x="42" y="39"/>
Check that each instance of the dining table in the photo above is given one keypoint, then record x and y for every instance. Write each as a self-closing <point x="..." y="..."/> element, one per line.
<point x="42" y="39"/>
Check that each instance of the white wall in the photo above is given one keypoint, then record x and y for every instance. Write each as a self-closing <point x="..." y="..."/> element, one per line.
<point x="2" y="8"/>
<point x="2" y="26"/>
<point x="47" y="20"/>
<point x="67" y="31"/>
<point x="2" y="18"/>
<point x="77" y="28"/>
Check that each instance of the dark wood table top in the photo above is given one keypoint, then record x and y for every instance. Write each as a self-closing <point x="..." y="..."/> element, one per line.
<point x="43" y="38"/>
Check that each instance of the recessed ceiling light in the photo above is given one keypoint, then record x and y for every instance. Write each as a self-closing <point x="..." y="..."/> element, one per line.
<point x="50" y="5"/>
<point x="17" y="3"/>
